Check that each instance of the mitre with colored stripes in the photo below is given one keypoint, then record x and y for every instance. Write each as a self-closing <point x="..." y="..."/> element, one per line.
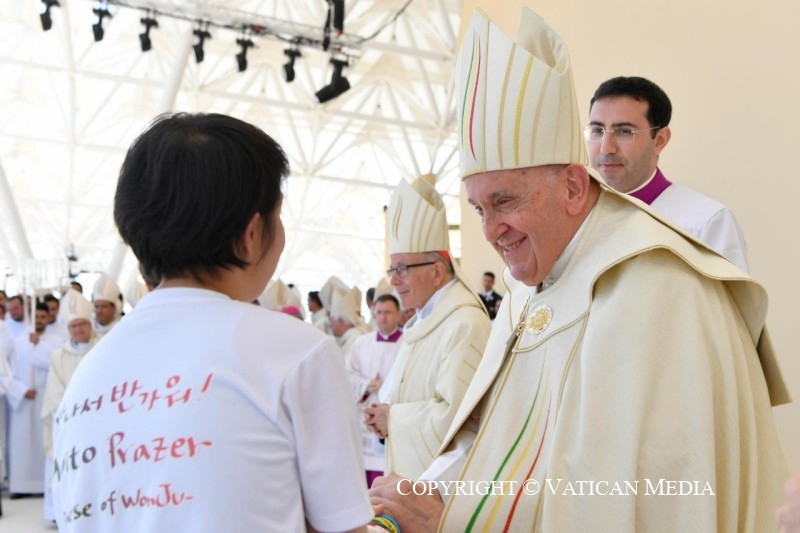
<point x="417" y="218"/>
<point x="517" y="104"/>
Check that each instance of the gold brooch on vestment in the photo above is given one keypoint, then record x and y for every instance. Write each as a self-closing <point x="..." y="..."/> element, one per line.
<point x="540" y="319"/>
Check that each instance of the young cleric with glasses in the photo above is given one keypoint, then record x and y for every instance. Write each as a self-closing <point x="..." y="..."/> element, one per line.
<point x="627" y="131"/>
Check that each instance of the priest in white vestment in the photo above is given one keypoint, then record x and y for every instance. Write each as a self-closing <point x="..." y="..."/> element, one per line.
<point x="55" y="324"/>
<point x="29" y="361"/>
<point x="628" y="128"/>
<point x="628" y="381"/>
<point x="342" y="303"/>
<point x="441" y="345"/>
<point x="15" y="315"/>
<point x="370" y="361"/>
<point x="319" y="315"/>
<point x="6" y="345"/>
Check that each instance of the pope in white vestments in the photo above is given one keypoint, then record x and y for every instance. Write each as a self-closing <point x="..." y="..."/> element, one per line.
<point x="628" y="380"/>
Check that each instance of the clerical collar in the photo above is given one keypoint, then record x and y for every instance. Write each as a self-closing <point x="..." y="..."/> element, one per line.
<point x="393" y="337"/>
<point x="101" y="328"/>
<point x="563" y="260"/>
<point x="81" y="346"/>
<point x="431" y="303"/>
<point x="652" y="188"/>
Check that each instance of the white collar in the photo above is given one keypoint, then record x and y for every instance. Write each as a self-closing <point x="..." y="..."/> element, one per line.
<point x="386" y="337"/>
<point x="431" y="303"/>
<point x="563" y="260"/>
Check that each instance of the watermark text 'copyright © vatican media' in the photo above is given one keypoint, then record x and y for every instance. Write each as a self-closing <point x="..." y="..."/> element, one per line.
<point x="558" y="487"/>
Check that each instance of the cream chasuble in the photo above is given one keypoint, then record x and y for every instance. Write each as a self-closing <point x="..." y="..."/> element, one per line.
<point x="434" y="367"/>
<point x="603" y="408"/>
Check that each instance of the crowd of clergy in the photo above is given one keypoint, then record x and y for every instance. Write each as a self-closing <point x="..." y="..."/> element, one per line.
<point x="42" y="340"/>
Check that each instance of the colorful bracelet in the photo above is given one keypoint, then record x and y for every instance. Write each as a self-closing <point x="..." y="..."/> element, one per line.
<point x="386" y="522"/>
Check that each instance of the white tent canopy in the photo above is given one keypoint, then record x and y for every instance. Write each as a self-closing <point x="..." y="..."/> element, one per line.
<point x="70" y="107"/>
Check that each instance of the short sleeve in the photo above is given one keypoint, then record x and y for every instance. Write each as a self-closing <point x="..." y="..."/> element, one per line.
<point x="317" y="398"/>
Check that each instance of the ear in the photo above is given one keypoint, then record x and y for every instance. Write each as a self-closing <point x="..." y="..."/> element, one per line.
<point x="662" y="138"/>
<point x="577" y="184"/>
<point x="248" y="248"/>
<point x="438" y="272"/>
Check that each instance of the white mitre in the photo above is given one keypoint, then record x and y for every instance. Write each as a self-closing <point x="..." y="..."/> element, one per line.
<point x="345" y="305"/>
<point x="518" y="107"/>
<point x="383" y="287"/>
<point x="136" y="292"/>
<point x="73" y="306"/>
<point x="278" y="295"/>
<point x="418" y="222"/>
<point x="107" y="289"/>
<point x="326" y="292"/>
<point x="417" y="218"/>
<point x="295" y="299"/>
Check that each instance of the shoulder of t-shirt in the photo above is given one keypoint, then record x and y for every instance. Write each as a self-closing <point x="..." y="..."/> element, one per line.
<point x="282" y="326"/>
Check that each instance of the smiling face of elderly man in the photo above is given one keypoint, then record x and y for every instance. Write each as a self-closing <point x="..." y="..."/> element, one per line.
<point x="529" y="215"/>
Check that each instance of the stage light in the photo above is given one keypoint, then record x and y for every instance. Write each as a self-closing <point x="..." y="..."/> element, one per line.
<point x="288" y="68"/>
<point x="338" y="85"/>
<point x="144" y="38"/>
<point x="198" y="47"/>
<point x="97" y="27"/>
<point x="47" y="22"/>
<point x="241" y="57"/>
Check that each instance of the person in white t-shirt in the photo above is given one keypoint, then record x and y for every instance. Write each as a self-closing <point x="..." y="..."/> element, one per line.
<point x="200" y="412"/>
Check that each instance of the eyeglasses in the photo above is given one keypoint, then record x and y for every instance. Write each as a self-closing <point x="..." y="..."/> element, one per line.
<point x="402" y="270"/>
<point x="595" y="134"/>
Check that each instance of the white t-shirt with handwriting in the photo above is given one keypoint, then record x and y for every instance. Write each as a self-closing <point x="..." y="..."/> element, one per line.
<point x="199" y="413"/>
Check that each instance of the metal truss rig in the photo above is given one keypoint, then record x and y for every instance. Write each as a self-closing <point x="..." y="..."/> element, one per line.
<point x="210" y="15"/>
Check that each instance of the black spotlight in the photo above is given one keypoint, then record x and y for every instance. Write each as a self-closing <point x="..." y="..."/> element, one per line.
<point x="144" y="38"/>
<point x="97" y="27"/>
<point x="338" y="85"/>
<point x="241" y="57"/>
<point x="47" y="22"/>
<point x="198" y="47"/>
<point x="288" y="68"/>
